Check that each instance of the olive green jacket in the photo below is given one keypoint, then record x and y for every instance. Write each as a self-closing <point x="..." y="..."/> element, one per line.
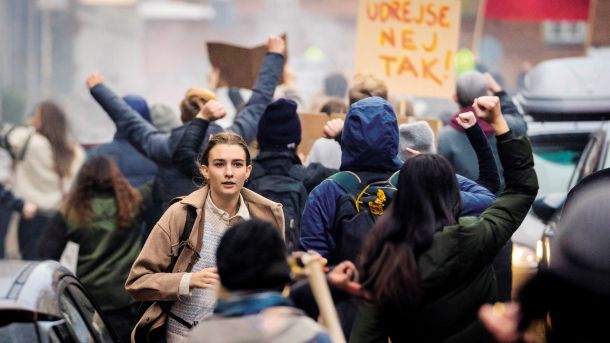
<point x="105" y="253"/>
<point x="456" y="275"/>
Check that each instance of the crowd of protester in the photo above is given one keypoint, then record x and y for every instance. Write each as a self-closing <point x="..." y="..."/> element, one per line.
<point x="184" y="227"/>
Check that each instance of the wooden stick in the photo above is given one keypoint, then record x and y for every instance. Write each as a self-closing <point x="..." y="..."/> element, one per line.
<point x="319" y="286"/>
<point x="590" y="25"/>
<point x="478" y="28"/>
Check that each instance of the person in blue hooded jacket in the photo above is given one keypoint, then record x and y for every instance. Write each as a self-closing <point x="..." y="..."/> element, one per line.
<point x="369" y="142"/>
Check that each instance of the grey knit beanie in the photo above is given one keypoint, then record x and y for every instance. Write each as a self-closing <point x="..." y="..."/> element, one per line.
<point x="418" y="136"/>
<point x="164" y="118"/>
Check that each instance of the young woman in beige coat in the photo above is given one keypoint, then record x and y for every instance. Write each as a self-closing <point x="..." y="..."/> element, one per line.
<point x="222" y="202"/>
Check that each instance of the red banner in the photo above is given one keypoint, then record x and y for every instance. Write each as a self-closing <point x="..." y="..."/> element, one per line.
<point x="537" y="10"/>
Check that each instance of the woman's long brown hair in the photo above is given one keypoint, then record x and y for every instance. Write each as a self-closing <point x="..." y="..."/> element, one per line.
<point x="101" y="174"/>
<point x="52" y="124"/>
<point x="427" y="199"/>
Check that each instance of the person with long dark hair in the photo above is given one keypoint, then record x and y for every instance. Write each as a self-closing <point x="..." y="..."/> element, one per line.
<point x="427" y="271"/>
<point x="103" y="214"/>
<point x="46" y="163"/>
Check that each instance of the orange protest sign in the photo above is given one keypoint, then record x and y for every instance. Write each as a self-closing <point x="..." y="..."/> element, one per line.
<point x="409" y="44"/>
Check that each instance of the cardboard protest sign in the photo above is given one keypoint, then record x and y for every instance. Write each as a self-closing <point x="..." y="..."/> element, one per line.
<point x="238" y="65"/>
<point x="312" y="127"/>
<point x="409" y="44"/>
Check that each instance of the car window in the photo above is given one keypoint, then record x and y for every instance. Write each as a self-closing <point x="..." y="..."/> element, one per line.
<point x="75" y="321"/>
<point x="555" y="159"/>
<point x="18" y="332"/>
<point x="607" y="157"/>
<point x="554" y="170"/>
<point x="91" y="314"/>
<point x="590" y="159"/>
<point x="56" y="331"/>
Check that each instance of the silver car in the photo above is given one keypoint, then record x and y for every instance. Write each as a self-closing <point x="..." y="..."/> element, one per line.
<point x="568" y="103"/>
<point x="45" y="302"/>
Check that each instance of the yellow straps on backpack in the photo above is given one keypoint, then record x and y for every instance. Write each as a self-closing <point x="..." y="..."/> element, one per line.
<point x="376" y="206"/>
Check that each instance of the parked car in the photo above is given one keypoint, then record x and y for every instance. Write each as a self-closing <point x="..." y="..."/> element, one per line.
<point x="45" y="302"/>
<point x="548" y="208"/>
<point x="567" y="102"/>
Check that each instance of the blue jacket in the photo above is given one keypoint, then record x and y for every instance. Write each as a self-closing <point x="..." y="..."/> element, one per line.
<point x="370" y="148"/>
<point x="159" y="147"/>
<point x="136" y="167"/>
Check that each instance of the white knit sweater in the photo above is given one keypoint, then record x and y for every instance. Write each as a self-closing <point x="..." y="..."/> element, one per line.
<point x="34" y="178"/>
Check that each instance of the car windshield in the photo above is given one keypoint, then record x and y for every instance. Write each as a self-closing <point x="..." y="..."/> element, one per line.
<point x="555" y="158"/>
<point x="554" y="170"/>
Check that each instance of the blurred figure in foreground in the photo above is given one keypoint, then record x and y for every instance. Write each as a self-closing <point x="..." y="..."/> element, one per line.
<point x="575" y="290"/>
<point x="251" y="307"/>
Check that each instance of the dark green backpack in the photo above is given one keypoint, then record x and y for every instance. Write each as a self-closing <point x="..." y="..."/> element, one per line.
<point x="357" y="211"/>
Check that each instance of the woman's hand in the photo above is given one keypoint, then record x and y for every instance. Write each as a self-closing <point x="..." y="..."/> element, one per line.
<point x="276" y="45"/>
<point x="211" y="110"/>
<point x="205" y="278"/>
<point x="488" y="109"/>
<point x="466" y="120"/>
<point x="333" y="128"/>
<point x="94" y="80"/>
<point x="344" y="277"/>
<point x="29" y="210"/>
<point x="501" y="320"/>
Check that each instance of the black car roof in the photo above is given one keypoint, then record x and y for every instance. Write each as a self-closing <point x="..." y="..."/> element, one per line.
<point x="568" y="89"/>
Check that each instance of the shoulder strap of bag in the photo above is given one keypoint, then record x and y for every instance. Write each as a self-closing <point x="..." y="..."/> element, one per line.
<point x="393" y="180"/>
<point x="7" y="145"/>
<point x="349" y="181"/>
<point x="191" y="214"/>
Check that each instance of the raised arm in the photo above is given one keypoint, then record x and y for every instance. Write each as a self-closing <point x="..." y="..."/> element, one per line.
<point x="187" y="150"/>
<point x="503" y="217"/>
<point x="488" y="171"/>
<point x="141" y="134"/>
<point x="246" y="122"/>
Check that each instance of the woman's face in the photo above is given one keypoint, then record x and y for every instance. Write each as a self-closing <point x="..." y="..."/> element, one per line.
<point x="226" y="171"/>
<point x="36" y="120"/>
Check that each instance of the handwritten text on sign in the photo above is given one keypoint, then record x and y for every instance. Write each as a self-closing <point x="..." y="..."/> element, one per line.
<point x="410" y="44"/>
